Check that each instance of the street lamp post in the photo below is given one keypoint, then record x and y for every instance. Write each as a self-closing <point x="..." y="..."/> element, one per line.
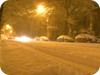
<point x="42" y="10"/>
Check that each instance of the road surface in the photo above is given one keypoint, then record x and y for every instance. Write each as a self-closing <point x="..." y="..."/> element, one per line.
<point x="49" y="58"/>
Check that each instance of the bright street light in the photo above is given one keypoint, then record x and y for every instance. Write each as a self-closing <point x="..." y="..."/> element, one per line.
<point x="8" y="27"/>
<point x="40" y="9"/>
<point x="11" y="31"/>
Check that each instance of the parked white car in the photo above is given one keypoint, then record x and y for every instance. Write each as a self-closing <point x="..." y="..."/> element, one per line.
<point x="86" y="38"/>
<point x="65" y="38"/>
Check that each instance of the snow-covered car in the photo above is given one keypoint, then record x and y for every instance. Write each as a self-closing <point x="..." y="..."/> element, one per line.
<point x="65" y="38"/>
<point x="36" y="38"/>
<point x="44" y="38"/>
<point x="98" y="41"/>
<point x="86" y="38"/>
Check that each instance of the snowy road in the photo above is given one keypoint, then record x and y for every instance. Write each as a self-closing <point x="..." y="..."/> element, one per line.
<point x="49" y="58"/>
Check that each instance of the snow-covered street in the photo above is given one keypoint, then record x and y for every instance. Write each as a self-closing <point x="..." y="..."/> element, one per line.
<point x="49" y="58"/>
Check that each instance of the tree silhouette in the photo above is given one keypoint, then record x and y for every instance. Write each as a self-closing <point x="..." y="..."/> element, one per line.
<point x="1" y="12"/>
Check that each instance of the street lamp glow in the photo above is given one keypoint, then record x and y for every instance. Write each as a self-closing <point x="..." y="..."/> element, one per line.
<point x="11" y="31"/>
<point x="8" y="26"/>
<point x="40" y="9"/>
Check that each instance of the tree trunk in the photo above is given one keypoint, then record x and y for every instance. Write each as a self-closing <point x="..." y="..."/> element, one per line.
<point x="69" y="30"/>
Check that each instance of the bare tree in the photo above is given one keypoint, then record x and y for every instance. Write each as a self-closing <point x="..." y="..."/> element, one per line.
<point x="75" y="11"/>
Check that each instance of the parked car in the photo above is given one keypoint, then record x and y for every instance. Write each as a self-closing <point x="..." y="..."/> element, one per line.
<point x="36" y="38"/>
<point x="44" y="38"/>
<point x="98" y="41"/>
<point x="65" y="38"/>
<point x="86" y="38"/>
